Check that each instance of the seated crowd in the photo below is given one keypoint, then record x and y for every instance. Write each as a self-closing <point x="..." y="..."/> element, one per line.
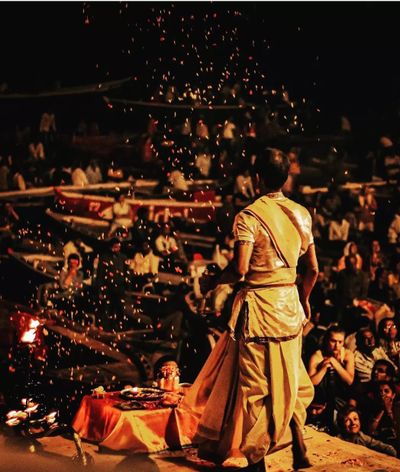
<point x="351" y="344"/>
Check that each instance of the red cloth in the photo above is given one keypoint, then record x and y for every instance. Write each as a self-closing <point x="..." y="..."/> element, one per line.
<point x="99" y="421"/>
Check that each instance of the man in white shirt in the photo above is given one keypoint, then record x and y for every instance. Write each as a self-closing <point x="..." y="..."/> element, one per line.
<point x="165" y="244"/>
<point x="144" y="261"/>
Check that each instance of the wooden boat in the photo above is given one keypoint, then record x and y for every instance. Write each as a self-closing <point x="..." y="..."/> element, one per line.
<point x="95" y="231"/>
<point x="201" y="210"/>
<point x="89" y="229"/>
<point x="141" y="186"/>
<point x="39" y="268"/>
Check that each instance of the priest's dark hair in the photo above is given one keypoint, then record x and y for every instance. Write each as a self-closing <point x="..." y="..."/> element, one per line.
<point x="272" y="168"/>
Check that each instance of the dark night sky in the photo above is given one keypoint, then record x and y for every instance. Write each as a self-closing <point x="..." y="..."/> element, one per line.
<point x="342" y="56"/>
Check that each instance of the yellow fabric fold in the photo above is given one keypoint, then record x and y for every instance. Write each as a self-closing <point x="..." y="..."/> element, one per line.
<point x="284" y="234"/>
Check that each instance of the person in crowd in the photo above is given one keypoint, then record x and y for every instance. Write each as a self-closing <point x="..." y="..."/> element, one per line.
<point x="70" y="295"/>
<point x="214" y="300"/>
<point x="315" y="330"/>
<point x="142" y="229"/>
<point x="394" y="280"/>
<point x="352" y="284"/>
<point x="317" y="415"/>
<point x="362" y="395"/>
<point x="177" y="181"/>
<point x="225" y="215"/>
<point x="290" y="186"/>
<point x="244" y="185"/>
<point x="349" y="425"/>
<point x="375" y="259"/>
<point x="78" y="176"/>
<point x="203" y="162"/>
<point x="330" y="204"/>
<point x="9" y="221"/>
<point x="351" y="249"/>
<point x="71" y="277"/>
<point x="366" y="355"/>
<point x="338" y="227"/>
<point x="394" y="228"/>
<point x="223" y="252"/>
<point x="4" y="173"/>
<point x="389" y="340"/>
<point x="381" y="424"/>
<point x="202" y="132"/>
<point x="47" y="127"/>
<point x="144" y="266"/>
<point x="367" y="207"/>
<point x="18" y="181"/>
<point x="93" y="173"/>
<point x="379" y="288"/>
<point x="165" y="245"/>
<point x="60" y="175"/>
<point x="122" y="215"/>
<point x="331" y="370"/>
<point x="36" y="150"/>
<point x="110" y="283"/>
<point x="239" y="373"/>
<point x="228" y="135"/>
<point x="77" y="247"/>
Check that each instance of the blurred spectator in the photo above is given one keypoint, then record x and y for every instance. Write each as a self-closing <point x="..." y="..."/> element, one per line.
<point x="244" y="185"/>
<point x="203" y="162"/>
<point x="47" y="123"/>
<point x="165" y="244"/>
<point x="4" y="173"/>
<point x="290" y="186"/>
<point x="351" y="249"/>
<point x="47" y="130"/>
<point x="36" y="150"/>
<point x="338" y="228"/>
<point x="202" y="132"/>
<point x="142" y="229"/>
<point x="78" y="176"/>
<point x="225" y="215"/>
<point x="9" y="220"/>
<point x="18" y="179"/>
<point x="228" y="135"/>
<point x="379" y="287"/>
<point x="351" y="284"/>
<point x="144" y="266"/>
<point x="366" y="209"/>
<point x="394" y="228"/>
<point x="178" y="181"/>
<point x="122" y="214"/>
<point x="110" y="283"/>
<point x="223" y="252"/>
<point x="375" y="260"/>
<point x="93" y="173"/>
<point x="388" y="339"/>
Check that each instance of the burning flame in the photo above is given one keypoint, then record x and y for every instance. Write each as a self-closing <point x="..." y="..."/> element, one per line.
<point x="29" y="336"/>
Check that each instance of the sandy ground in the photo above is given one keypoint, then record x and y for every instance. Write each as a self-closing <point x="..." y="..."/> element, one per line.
<point x="326" y="453"/>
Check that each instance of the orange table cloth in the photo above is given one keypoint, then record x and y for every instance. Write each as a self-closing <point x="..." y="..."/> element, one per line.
<point x="98" y="420"/>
